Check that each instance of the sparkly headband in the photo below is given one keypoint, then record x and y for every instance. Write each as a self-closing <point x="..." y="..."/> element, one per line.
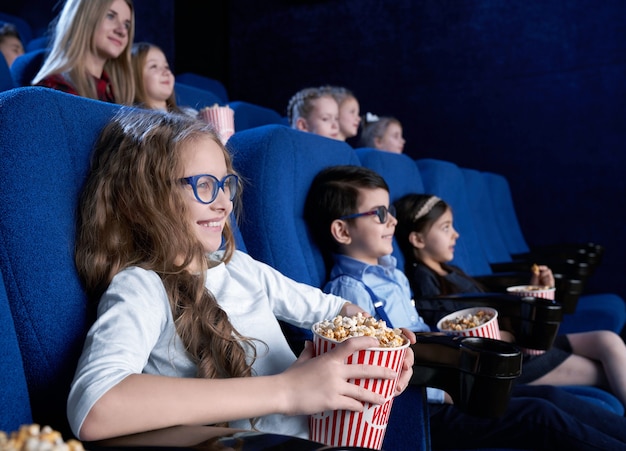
<point x="430" y="203"/>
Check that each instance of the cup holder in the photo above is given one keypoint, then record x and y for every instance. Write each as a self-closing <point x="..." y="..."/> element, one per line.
<point x="478" y="373"/>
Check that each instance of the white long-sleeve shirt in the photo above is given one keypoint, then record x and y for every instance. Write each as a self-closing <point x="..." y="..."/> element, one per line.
<point x="135" y="331"/>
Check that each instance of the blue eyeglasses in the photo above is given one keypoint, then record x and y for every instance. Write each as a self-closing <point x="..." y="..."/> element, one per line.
<point x="381" y="212"/>
<point x="206" y="187"/>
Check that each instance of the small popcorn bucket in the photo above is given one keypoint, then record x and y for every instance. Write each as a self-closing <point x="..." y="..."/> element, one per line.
<point x="535" y="291"/>
<point x="222" y="118"/>
<point x="490" y="329"/>
<point x="359" y="429"/>
<point x="532" y="290"/>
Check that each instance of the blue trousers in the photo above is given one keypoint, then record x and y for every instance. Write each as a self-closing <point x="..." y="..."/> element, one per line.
<point x="537" y="418"/>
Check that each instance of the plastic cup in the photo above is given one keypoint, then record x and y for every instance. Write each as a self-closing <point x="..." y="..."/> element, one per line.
<point x="358" y="429"/>
<point x="489" y="329"/>
<point x="222" y="118"/>
<point x="535" y="291"/>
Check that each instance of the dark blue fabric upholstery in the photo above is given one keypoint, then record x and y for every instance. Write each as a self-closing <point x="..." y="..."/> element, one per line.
<point x="46" y="138"/>
<point x="249" y="115"/>
<point x="193" y="97"/>
<point x="14" y="401"/>
<point x="206" y="83"/>
<point x="6" y="80"/>
<point x="278" y="165"/>
<point x="509" y="226"/>
<point x="26" y="66"/>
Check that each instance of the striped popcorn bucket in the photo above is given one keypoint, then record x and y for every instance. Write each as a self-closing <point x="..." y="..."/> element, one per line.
<point x="359" y="429"/>
<point x="535" y="291"/>
<point x="222" y="118"/>
<point x="489" y="329"/>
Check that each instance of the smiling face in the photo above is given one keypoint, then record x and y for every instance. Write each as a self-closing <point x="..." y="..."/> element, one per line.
<point x="111" y="35"/>
<point x="158" y="79"/>
<point x="366" y="238"/>
<point x="349" y="118"/>
<point x="392" y="140"/>
<point x="204" y="156"/>
<point x="323" y="119"/>
<point x="436" y="246"/>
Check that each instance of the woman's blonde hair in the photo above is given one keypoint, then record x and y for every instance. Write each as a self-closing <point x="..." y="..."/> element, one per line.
<point x="139" y="54"/>
<point x="73" y="39"/>
<point x="130" y="214"/>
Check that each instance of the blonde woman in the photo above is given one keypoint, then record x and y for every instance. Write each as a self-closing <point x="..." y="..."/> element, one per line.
<point x="90" y="54"/>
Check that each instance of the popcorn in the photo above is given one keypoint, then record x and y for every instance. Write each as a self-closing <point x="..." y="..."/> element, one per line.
<point x="32" y="437"/>
<point x="469" y="321"/>
<point x="343" y="327"/>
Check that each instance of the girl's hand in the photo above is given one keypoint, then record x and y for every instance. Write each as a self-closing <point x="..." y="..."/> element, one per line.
<point x="313" y="385"/>
<point x="543" y="278"/>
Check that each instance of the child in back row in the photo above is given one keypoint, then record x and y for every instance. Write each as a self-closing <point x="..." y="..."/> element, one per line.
<point x="349" y="112"/>
<point x="314" y="110"/>
<point x="426" y="235"/>
<point x="11" y="45"/>
<point x="382" y="133"/>
<point x="350" y="217"/>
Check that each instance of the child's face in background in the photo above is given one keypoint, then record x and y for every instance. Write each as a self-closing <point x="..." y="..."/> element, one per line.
<point x="392" y="140"/>
<point x="369" y="239"/>
<point x="11" y="47"/>
<point x="205" y="156"/>
<point x="111" y="35"/>
<point x="349" y="118"/>
<point x="324" y="119"/>
<point x="439" y="241"/>
<point x="158" y="79"/>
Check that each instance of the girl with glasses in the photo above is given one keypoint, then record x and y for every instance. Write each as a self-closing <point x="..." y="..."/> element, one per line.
<point x="187" y="326"/>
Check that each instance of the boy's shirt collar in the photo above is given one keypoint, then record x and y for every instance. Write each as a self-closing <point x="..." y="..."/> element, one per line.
<point x="354" y="267"/>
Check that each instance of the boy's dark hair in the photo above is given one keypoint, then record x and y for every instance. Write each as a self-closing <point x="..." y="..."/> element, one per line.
<point x="334" y="193"/>
<point x="8" y="29"/>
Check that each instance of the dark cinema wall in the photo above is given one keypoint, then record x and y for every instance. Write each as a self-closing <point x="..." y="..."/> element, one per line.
<point x="533" y="90"/>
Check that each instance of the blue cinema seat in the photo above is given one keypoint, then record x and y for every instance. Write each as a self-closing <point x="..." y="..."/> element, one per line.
<point x="206" y="83"/>
<point x="26" y="66"/>
<point x="14" y="401"/>
<point x="45" y="141"/>
<point x="248" y="115"/>
<point x="278" y="165"/>
<point x="6" y="80"/>
<point x="194" y="97"/>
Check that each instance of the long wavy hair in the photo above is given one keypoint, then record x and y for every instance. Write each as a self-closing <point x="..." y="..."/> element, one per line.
<point x="131" y="213"/>
<point x="73" y="39"/>
<point x="139" y="54"/>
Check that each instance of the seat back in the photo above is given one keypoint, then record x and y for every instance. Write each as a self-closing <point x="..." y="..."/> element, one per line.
<point x="502" y="199"/>
<point x="485" y="217"/>
<point x="401" y="174"/>
<point x="278" y="165"/>
<point x="14" y="402"/>
<point x="206" y="83"/>
<point x="193" y="97"/>
<point x="6" y="80"/>
<point x="26" y="66"/>
<point x="42" y="168"/>
<point x="445" y="179"/>
<point x="249" y="115"/>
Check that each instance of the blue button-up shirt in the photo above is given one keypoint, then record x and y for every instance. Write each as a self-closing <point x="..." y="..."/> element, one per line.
<point x="348" y="279"/>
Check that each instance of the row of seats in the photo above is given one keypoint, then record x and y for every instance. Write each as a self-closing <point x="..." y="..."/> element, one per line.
<point x="43" y="306"/>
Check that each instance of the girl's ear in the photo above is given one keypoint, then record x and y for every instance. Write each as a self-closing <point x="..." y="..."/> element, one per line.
<point x="377" y="141"/>
<point x="302" y="125"/>
<point x="417" y="240"/>
<point x="339" y="231"/>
